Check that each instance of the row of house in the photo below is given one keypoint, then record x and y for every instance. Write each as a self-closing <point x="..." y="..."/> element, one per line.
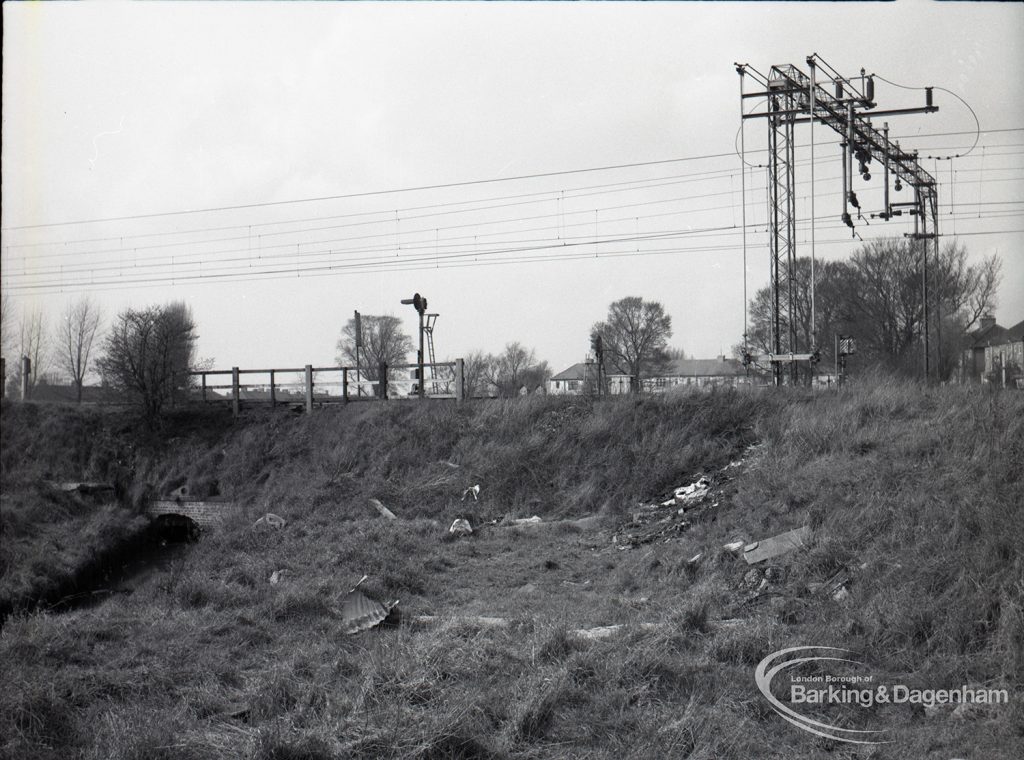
<point x="582" y="377"/>
<point x="995" y="354"/>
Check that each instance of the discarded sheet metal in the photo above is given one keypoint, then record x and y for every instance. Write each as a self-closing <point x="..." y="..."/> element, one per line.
<point x="382" y="510"/>
<point x="473" y="491"/>
<point x="360" y="613"/>
<point x="759" y="551"/>
<point x="461" y="527"/>
<point x="271" y="520"/>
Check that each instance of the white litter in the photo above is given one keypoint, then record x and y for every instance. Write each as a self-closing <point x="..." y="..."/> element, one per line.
<point x="461" y="527"/>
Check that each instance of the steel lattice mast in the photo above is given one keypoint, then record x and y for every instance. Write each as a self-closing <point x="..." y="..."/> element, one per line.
<point x="792" y="97"/>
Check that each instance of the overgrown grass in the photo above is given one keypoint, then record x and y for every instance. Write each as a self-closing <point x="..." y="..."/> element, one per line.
<point x="916" y="492"/>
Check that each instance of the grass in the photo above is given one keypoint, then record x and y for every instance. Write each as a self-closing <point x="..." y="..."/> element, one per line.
<point x="917" y="492"/>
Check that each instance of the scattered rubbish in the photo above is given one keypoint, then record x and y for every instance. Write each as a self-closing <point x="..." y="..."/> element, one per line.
<point x="360" y="613"/>
<point x="461" y="527"/>
<point x="484" y="622"/>
<point x="236" y="710"/>
<point x="88" y="489"/>
<point x="576" y="584"/>
<point x="696" y="558"/>
<point x="835" y="586"/>
<point x="689" y="495"/>
<point x="607" y="631"/>
<point x="752" y="578"/>
<point x="734" y="547"/>
<point x="452" y="465"/>
<point x="473" y="491"/>
<point x="271" y="520"/>
<point x="527" y="521"/>
<point x="277" y="576"/>
<point x="759" y="551"/>
<point x="382" y="510"/>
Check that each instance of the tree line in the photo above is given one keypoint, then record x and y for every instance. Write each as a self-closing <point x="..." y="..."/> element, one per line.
<point x="143" y="354"/>
<point x="876" y="297"/>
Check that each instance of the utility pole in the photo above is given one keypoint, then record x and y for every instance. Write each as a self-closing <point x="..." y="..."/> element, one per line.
<point x="846" y="106"/>
<point x="359" y="344"/>
<point x="419" y="303"/>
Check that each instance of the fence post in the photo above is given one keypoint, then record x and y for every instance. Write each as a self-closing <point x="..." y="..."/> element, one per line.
<point x="460" y="380"/>
<point x="203" y="378"/>
<point x="3" y="378"/>
<point x="26" y="369"/>
<point x="344" y="384"/>
<point x="234" y="391"/>
<point x="382" y="383"/>
<point x="309" y="389"/>
<point x="273" y="392"/>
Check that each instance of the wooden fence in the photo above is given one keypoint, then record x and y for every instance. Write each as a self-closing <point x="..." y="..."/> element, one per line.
<point x="325" y="385"/>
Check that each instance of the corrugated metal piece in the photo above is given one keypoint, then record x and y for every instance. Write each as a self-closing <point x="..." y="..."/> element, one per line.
<point x="360" y="613"/>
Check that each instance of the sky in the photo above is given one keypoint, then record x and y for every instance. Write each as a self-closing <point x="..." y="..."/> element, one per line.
<point x="278" y="166"/>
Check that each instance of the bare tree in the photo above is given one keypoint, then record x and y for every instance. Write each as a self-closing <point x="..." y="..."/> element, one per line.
<point x="876" y="297"/>
<point x="6" y="325"/>
<point x="475" y="373"/>
<point x="147" y="353"/>
<point x="507" y="371"/>
<point x="635" y="337"/>
<point x="30" y="341"/>
<point x="383" y="340"/>
<point x="76" y="332"/>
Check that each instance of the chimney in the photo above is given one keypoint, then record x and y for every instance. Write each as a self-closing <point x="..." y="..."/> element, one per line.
<point x="987" y="321"/>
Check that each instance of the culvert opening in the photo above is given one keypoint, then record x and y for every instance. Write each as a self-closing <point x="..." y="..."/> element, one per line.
<point x="176" y="529"/>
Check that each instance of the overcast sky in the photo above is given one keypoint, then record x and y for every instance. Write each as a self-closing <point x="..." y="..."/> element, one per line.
<point x="117" y="110"/>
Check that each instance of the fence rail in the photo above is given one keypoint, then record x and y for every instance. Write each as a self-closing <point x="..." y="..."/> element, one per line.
<point x="328" y="385"/>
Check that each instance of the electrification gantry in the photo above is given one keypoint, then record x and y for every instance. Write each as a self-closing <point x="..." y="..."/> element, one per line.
<point x="846" y="106"/>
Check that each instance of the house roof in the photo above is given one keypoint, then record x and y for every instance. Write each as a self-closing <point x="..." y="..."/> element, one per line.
<point x="994" y="334"/>
<point x="720" y="367"/>
<point x="575" y="372"/>
<point x="1016" y="332"/>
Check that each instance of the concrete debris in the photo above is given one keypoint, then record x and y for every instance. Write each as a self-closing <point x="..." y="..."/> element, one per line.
<point x="783" y="543"/>
<point x="382" y="510"/>
<point x="461" y="527"/>
<point x="272" y="520"/>
<point x="360" y="613"/>
<point x="277" y="576"/>
<point x="734" y="547"/>
<point x="473" y="491"/>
